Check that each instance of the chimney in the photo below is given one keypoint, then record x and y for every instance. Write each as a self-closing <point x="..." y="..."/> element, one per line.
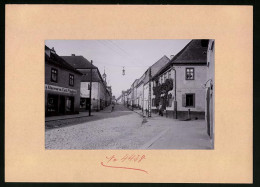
<point x="171" y="57"/>
<point x="73" y="55"/>
<point x="53" y="50"/>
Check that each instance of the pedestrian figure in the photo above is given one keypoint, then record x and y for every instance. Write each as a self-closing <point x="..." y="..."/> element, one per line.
<point x="112" y="109"/>
<point x="160" y="110"/>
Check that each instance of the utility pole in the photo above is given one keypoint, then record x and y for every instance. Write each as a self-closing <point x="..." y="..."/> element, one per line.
<point x="175" y="101"/>
<point x="149" y="96"/>
<point x="90" y="88"/>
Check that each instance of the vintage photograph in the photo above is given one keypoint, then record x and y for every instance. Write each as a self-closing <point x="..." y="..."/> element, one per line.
<point x="129" y="94"/>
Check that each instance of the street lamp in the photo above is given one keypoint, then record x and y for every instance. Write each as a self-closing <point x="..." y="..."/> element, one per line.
<point x="175" y="101"/>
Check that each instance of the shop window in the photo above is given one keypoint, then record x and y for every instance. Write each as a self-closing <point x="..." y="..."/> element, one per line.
<point x="189" y="73"/>
<point x="52" y="103"/>
<point x="69" y="104"/>
<point x="54" y="75"/>
<point x="71" y="80"/>
<point x="188" y="100"/>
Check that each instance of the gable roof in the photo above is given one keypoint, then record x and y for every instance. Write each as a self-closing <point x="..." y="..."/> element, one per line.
<point x="78" y="62"/>
<point x="86" y="75"/>
<point x="55" y="59"/>
<point x="157" y="66"/>
<point x="194" y="53"/>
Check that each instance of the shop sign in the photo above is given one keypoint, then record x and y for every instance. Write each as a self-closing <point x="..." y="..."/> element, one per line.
<point x="60" y="89"/>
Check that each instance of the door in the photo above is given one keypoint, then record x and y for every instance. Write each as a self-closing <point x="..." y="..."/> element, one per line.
<point x="62" y="105"/>
<point x="208" y="111"/>
<point x="69" y="104"/>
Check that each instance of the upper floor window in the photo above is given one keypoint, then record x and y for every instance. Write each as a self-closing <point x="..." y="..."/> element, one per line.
<point x="54" y="75"/>
<point x="165" y="76"/>
<point x="169" y="74"/>
<point x="189" y="74"/>
<point x="71" y="80"/>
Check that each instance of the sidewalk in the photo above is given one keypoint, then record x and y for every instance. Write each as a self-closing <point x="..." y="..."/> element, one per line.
<point x="178" y="134"/>
<point x="63" y="117"/>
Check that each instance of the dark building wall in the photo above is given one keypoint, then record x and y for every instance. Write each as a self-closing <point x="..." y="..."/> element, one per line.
<point x="63" y="81"/>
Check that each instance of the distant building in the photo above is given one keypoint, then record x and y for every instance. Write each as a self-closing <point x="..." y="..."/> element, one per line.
<point x="113" y="99"/>
<point x="100" y="95"/>
<point x="155" y="68"/>
<point x="134" y="100"/>
<point x="140" y="91"/>
<point x="62" y="85"/>
<point x="108" y="96"/>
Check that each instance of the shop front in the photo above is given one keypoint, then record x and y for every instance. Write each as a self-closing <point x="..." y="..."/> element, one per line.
<point x="59" y="100"/>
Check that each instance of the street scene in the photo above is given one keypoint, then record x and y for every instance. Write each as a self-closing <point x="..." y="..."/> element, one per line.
<point x="132" y="94"/>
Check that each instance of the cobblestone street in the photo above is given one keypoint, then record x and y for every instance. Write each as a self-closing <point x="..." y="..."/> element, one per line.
<point x="123" y="129"/>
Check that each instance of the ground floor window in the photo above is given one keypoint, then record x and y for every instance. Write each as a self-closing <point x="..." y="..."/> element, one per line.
<point x="59" y="104"/>
<point x="188" y="100"/>
<point x="83" y="103"/>
<point x="153" y="102"/>
<point x="69" y="104"/>
<point x="52" y="103"/>
<point x="169" y="100"/>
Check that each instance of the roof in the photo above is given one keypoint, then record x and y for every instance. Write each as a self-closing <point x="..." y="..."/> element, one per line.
<point x="157" y="66"/>
<point x="96" y="77"/>
<point x="194" y="53"/>
<point x="55" y="59"/>
<point x="78" y="62"/>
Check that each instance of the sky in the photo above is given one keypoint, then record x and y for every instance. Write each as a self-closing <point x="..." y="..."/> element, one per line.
<point x="136" y="56"/>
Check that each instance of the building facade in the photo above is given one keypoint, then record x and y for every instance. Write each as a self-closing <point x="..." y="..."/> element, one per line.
<point x="149" y="74"/>
<point x="189" y="70"/>
<point x="62" y="85"/>
<point x="100" y="95"/>
<point x="210" y="93"/>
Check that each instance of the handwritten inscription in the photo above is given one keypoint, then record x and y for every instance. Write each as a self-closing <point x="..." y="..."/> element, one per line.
<point x="132" y="158"/>
<point x="129" y="158"/>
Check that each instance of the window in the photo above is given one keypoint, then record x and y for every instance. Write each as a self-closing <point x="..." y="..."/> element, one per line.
<point x="83" y="103"/>
<point x="54" y="75"/>
<point x="89" y="86"/>
<point x="153" y="102"/>
<point x="189" y="73"/>
<point x="169" y="100"/>
<point x="69" y="104"/>
<point x="188" y="100"/>
<point x="169" y="74"/>
<point x="71" y="81"/>
<point x="165" y="76"/>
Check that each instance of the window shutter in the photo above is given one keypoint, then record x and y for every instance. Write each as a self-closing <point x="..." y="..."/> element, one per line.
<point x="183" y="100"/>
